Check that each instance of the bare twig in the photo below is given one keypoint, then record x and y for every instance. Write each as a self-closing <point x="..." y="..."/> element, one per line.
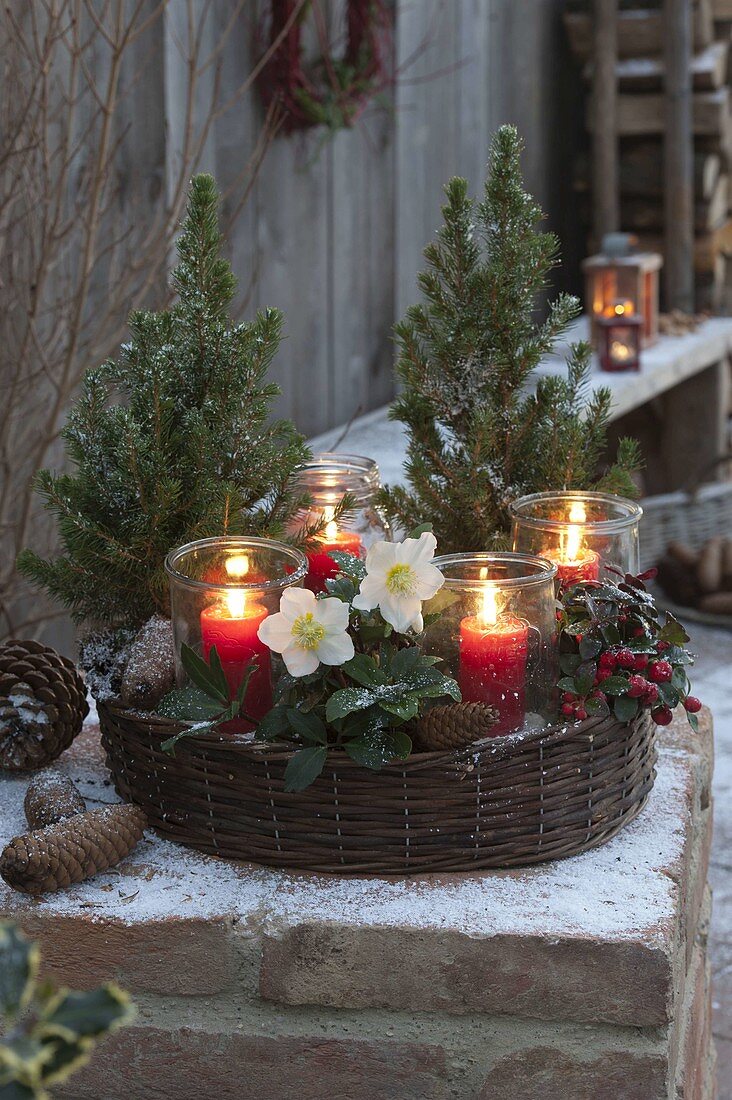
<point x="82" y="243"/>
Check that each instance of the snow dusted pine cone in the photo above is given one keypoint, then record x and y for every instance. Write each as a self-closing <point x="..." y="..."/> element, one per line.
<point x="455" y="725"/>
<point x="72" y="850"/>
<point x="42" y="704"/>
<point x="51" y="797"/>
<point x="150" y="670"/>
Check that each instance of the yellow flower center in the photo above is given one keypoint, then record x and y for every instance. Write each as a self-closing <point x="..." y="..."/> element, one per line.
<point x="308" y="631"/>
<point x="400" y="580"/>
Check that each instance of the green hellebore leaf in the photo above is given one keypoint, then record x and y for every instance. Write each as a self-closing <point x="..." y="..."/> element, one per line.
<point x="309" y="726"/>
<point x="305" y="767"/>
<point x="204" y="676"/>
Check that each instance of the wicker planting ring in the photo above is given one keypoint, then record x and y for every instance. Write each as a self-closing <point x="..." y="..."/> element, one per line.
<point x="503" y="802"/>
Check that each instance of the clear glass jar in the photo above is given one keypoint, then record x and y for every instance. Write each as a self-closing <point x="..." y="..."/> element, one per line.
<point x="221" y="589"/>
<point x="496" y="633"/>
<point x="326" y="479"/>
<point x="589" y="536"/>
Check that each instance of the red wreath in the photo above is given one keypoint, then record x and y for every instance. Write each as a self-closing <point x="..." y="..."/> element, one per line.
<point x="334" y="90"/>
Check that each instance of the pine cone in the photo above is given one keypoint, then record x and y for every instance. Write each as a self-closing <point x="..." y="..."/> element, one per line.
<point x="42" y="704"/>
<point x="51" y="797"/>
<point x="455" y="725"/>
<point x="150" y="670"/>
<point x="71" y="851"/>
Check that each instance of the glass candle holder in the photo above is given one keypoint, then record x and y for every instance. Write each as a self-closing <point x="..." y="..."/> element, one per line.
<point x="326" y="479"/>
<point x="496" y="633"/>
<point x="221" y="589"/>
<point x="589" y="536"/>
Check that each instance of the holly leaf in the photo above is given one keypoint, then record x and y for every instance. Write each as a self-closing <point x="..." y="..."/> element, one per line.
<point x="304" y="767"/>
<point x="19" y="962"/>
<point x="85" y="1014"/>
<point x="693" y="721"/>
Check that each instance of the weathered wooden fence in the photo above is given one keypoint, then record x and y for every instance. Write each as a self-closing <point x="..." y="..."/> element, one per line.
<point x="334" y="230"/>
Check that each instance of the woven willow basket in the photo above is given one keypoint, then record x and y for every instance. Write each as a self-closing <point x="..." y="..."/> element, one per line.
<point x="690" y="516"/>
<point x="504" y="802"/>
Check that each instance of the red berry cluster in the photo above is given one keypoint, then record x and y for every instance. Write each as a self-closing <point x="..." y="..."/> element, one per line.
<point x="618" y="656"/>
<point x="644" y="687"/>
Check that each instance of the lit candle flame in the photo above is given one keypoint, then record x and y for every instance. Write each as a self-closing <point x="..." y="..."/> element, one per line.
<point x="489" y="605"/>
<point x="237" y="567"/>
<point x="577" y="516"/>
<point x="331" y="527"/>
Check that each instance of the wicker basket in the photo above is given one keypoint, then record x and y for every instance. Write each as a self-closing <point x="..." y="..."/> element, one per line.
<point x="503" y="802"/>
<point x="690" y="516"/>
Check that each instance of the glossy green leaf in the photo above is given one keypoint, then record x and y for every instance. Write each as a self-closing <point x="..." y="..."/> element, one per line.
<point x="304" y="767"/>
<point x="309" y="726"/>
<point x="19" y="962"/>
<point x="202" y="675"/>
<point x="625" y="708"/>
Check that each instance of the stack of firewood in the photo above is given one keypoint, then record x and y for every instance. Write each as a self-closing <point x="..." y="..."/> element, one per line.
<point x="699" y="578"/>
<point x="640" y="125"/>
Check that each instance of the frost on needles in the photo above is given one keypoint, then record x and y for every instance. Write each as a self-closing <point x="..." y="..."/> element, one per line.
<point x="478" y="438"/>
<point x="170" y="442"/>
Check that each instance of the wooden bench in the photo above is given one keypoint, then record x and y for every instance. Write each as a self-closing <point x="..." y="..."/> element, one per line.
<point x="677" y="406"/>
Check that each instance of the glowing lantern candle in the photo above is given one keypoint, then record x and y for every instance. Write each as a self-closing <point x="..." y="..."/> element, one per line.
<point x="321" y="565"/>
<point x="574" y="562"/>
<point x="232" y="627"/>
<point x="493" y="654"/>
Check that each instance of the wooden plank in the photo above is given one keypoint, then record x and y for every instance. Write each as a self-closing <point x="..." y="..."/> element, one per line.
<point x="722" y="9"/>
<point x="605" y="193"/>
<point x="645" y="114"/>
<point x="709" y="287"/>
<point x="678" y="149"/>
<point x="640" y="32"/>
<point x="643" y="214"/>
<point x="641" y="171"/>
<point x="423" y="164"/>
<point x="361" y="260"/>
<point x="645" y="74"/>
<point x="707" y="246"/>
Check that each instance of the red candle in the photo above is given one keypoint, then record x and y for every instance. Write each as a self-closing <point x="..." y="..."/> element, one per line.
<point x="321" y="566"/>
<point x="493" y="652"/>
<point x="584" y="567"/>
<point x="232" y="627"/>
<point x="574" y="561"/>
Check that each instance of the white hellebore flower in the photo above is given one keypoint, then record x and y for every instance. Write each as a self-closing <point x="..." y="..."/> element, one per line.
<point x="399" y="576"/>
<point x="307" y="631"/>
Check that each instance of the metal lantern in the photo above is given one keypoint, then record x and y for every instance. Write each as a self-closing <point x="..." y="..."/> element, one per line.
<point x="621" y="282"/>
<point x="619" y="343"/>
